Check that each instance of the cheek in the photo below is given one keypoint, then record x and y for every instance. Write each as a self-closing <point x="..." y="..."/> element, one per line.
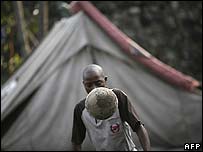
<point x="104" y="84"/>
<point x="88" y="89"/>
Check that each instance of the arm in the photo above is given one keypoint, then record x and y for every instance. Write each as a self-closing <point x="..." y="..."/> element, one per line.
<point x="76" y="147"/>
<point x="143" y="138"/>
<point x="78" y="130"/>
<point x="129" y="114"/>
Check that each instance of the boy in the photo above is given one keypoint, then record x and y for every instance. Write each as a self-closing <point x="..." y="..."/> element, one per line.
<point x="112" y="134"/>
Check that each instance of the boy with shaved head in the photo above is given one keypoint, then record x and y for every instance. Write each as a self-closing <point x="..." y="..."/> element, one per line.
<point x="111" y="134"/>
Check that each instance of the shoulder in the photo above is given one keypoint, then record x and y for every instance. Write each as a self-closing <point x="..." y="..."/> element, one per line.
<point x="119" y="93"/>
<point x="122" y="98"/>
<point x="79" y="107"/>
<point x="123" y="101"/>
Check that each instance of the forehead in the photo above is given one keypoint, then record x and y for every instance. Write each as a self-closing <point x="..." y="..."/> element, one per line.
<point x="93" y="76"/>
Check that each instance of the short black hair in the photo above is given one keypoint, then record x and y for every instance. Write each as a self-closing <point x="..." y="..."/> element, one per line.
<point x="92" y="68"/>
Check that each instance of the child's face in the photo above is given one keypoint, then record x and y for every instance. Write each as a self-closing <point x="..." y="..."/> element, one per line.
<point x="94" y="80"/>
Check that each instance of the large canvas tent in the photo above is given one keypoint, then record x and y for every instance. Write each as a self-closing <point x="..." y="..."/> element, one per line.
<point x="37" y="102"/>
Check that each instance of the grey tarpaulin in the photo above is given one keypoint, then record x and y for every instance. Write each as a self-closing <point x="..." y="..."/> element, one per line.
<point x="37" y="102"/>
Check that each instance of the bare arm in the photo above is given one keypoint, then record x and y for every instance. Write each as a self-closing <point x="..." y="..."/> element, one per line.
<point x="76" y="147"/>
<point x="143" y="138"/>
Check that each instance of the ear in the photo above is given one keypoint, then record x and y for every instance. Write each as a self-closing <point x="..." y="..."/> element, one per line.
<point x="105" y="78"/>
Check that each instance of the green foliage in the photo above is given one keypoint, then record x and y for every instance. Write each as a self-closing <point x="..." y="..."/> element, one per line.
<point x="14" y="62"/>
<point x="7" y="26"/>
<point x="11" y="53"/>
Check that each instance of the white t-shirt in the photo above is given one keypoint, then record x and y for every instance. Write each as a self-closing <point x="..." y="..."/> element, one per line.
<point x="112" y="134"/>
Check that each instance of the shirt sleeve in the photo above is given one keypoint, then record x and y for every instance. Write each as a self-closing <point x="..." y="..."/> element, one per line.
<point x="127" y="111"/>
<point x="78" y="130"/>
